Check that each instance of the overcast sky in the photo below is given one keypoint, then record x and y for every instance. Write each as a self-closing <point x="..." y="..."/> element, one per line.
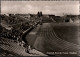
<point x="47" y="7"/>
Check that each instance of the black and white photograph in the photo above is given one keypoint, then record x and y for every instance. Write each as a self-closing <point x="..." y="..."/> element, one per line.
<point x="39" y="28"/>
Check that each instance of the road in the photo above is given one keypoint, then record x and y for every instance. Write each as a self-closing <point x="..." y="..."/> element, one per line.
<point x="47" y="40"/>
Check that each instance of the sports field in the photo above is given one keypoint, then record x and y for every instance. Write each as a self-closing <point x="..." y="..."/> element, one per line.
<point x="56" y="37"/>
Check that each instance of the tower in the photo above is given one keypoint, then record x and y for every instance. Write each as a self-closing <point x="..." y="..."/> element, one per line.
<point x="39" y="14"/>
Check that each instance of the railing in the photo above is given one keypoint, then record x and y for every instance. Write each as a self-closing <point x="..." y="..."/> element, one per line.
<point x="27" y="31"/>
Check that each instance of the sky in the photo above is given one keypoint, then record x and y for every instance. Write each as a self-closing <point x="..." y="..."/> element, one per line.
<point x="47" y="7"/>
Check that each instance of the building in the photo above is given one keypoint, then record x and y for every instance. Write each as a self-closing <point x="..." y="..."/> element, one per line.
<point x="51" y="16"/>
<point x="58" y="19"/>
<point x="71" y="18"/>
<point x="24" y="15"/>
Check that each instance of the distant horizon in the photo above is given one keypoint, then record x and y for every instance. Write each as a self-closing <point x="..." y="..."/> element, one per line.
<point x="43" y="14"/>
